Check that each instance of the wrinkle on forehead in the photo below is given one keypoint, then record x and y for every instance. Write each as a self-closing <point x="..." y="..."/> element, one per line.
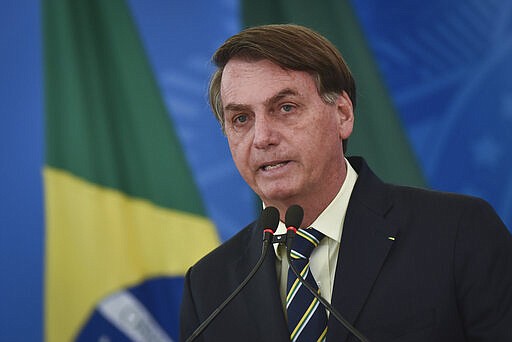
<point x="244" y="79"/>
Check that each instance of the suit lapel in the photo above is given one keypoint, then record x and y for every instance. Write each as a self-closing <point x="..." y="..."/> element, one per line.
<point x="365" y="243"/>
<point x="261" y="295"/>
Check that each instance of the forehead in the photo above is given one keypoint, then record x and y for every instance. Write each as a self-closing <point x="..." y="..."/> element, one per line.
<point x="253" y="81"/>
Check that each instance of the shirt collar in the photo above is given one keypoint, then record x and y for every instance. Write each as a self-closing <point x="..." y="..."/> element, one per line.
<point x="330" y="221"/>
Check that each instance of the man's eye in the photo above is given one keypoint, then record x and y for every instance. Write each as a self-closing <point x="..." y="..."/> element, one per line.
<point x="287" y="108"/>
<point x="240" y="119"/>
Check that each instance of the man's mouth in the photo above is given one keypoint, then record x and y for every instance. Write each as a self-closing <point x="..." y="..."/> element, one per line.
<point x="272" y="166"/>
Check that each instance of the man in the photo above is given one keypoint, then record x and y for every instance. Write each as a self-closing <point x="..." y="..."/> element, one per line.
<point x="400" y="264"/>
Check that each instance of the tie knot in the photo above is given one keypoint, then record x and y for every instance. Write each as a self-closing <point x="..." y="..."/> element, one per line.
<point x="305" y="242"/>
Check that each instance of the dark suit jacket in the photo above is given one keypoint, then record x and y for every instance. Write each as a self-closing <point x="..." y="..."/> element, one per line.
<point x="414" y="265"/>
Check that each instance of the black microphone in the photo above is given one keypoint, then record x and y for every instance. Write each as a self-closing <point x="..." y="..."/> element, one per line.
<point x="269" y="219"/>
<point x="293" y="220"/>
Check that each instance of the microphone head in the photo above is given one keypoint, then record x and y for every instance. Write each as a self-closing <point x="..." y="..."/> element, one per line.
<point x="269" y="218"/>
<point x="294" y="216"/>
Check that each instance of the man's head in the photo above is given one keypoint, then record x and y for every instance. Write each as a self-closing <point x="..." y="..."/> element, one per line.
<point x="285" y="114"/>
<point x="291" y="47"/>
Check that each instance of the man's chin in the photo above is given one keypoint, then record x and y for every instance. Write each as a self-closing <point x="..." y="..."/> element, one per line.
<point x="278" y="196"/>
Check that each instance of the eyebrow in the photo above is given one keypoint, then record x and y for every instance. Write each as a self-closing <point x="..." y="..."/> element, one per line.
<point x="235" y="107"/>
<point x="280" y="95"/>
<point x="268" y="102"/>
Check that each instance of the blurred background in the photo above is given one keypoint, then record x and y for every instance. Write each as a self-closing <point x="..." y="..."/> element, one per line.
<point x="85" y="84"/>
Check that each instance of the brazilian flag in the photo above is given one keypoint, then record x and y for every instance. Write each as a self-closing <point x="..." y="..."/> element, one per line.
<point x="122" y="207"/>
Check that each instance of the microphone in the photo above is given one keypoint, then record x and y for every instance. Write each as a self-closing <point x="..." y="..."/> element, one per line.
<point x="293" y="220"/>
<point x="269" y="219"/>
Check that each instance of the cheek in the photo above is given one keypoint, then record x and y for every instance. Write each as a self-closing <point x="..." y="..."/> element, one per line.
<point x="319" y="134"/>
<point x="322" y="145"/>
<point x="239" y="154"/>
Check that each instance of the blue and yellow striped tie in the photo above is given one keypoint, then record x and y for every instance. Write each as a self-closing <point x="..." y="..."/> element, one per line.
<point x="307" y="318"/>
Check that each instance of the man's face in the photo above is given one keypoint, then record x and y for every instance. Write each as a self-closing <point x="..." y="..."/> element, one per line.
<point x="285" y="140"/>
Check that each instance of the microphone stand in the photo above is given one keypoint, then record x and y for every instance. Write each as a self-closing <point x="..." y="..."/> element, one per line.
<point x="290" y="234"/>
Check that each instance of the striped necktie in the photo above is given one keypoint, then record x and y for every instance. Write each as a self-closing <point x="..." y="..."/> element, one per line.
<point x="307" y="318"/>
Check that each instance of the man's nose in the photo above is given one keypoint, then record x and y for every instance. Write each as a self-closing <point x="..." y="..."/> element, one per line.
<point x="265" y="132"/>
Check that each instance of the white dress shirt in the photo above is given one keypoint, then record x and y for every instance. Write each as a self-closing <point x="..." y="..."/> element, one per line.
<point x="324" y="258"/>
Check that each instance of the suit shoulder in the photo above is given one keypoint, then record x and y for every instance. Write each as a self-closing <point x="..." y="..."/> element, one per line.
<point x="437" y="199"/>
<point x="380" y="196"/>
<point x="445" y="209"/>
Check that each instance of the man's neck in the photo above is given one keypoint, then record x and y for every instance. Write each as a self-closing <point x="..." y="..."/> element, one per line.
<point x="313" y="204"/>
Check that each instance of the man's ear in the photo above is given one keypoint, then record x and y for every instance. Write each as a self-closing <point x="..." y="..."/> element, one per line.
<point x="345" y="115"/>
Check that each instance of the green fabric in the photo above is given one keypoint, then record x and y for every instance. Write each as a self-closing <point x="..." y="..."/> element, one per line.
<point x="378" y="134"/>
<point x="105" y="119"/>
